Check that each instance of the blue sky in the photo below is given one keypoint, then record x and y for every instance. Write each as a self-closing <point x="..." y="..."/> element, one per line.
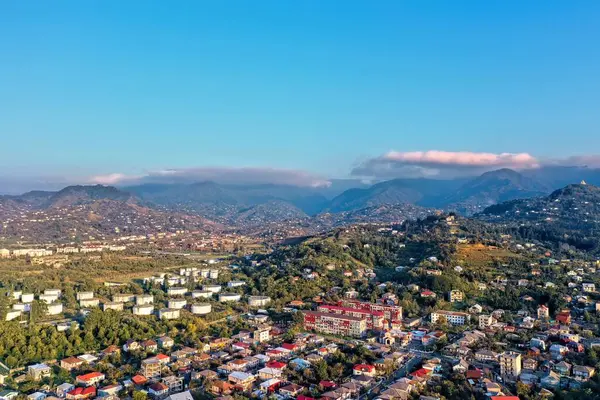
<point x="131" y="87"/>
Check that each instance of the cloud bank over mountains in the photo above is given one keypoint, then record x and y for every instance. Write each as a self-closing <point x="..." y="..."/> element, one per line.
<point x="225" y="175"/>
<point x="393" y="164"/>
<point x="441" y="164"/>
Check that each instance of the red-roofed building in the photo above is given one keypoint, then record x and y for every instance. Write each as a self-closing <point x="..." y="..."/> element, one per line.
<point x="274" y="353"/>
<point x="328" y="384"/>
<point x="290" y="346"/>
<point x="158" y="389"/>
<point x="374" y="318"/>
<point x="421" y="373"/>
<point x="90" y="379"/>
<point x="364" y="369"/>
<point x="139" y="380"/>
<point x="276" y="365"/>
<point x="564" y="317"/>
<point x="163" y="358"/>
<point x="474" y="374"/>
<point x="81" y="393"/>
<point x="390" y="312"/>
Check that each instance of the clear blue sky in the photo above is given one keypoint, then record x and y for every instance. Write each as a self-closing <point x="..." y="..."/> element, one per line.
<point x="91" y="87"/>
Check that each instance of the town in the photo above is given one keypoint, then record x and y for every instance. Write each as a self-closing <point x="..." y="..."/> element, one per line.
<point x="290" y="325"/>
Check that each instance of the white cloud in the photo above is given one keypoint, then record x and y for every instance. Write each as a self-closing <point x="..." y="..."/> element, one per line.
<point x="249" y="175"/>
<point x="443" y="164"/>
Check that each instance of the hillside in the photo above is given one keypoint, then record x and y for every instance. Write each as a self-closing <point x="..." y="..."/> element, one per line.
<point x="84" y="212"/>
<point x="414" y="191"/>
<point x="570" y="216"/>
<point x="491" y="188"/>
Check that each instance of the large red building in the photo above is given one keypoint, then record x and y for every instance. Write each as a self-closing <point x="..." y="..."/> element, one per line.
<point x="335" y="324"/>
<point x="374" y="318"/>
<point x="391" y="313"/>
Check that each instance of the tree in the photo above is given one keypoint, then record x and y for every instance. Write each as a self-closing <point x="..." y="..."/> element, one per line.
<point x="137" y="395"/>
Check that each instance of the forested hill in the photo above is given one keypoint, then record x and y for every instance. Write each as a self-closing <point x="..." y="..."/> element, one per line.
<point x="568" y="217"/>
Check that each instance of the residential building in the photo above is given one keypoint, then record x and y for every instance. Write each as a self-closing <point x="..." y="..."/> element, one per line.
<point x="455" y="296"/>
<point x="91" y="379"/>
<point x="335" y="324"/>
<point x="510" y="364"/>
<point x="38" y="372"/>
<point x="486" y="321"/>
<point x="374" y="318"/>
<point x="543" y="312"/>
<point x="390" y="312"/>
<point x="451" y="317"/>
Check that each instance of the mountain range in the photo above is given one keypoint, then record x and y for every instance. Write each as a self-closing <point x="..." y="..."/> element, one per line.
<point x="244" y="205"/>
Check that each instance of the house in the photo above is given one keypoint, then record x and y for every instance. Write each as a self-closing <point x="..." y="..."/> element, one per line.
<point x="187" y="395"/>
<point x="8" y="394"/>
<point x="364" y="369"/>
<point x="139" y="380"/>
<point x="81" y="393"/>
<point x="461" y="366"/>
<point x="38" y="372"/>
<point x="158" y="390"/>
<point x="563" y="368"/>
<point x="221" y="388"/>
<point x="90" y="379"/>
<point x="131" y="345"/>
<point x="583" y="372"/>
<point x="564" y="317"/>
<point x="558" y="352"/>
<point x="299" y="364"/>
<point x="362" y="380"/>
<point x="550" y="381"/>
<point x="149" y="345"/>
<point x="241" y="380"/>
<point x="109" y="391"/>
<point x="165" y="342"/>
<point x="486" y="355"/>
<point x="530" y="364"/>
<point x="37" y="396"/>
<point x="588" y="287"/>
<point x="71" y="363"/>
<point x="174" y="383"/>
<point x="111" y="350"/>
<point x="62" y="389"/>
<point x="291" y="390"/>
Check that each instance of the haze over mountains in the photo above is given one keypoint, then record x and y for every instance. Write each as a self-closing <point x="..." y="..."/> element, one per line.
<point x="234" y="205"/>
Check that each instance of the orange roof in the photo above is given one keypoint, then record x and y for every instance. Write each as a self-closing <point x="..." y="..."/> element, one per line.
<point x="91" y="375"/>
<point x="139" y="379"/>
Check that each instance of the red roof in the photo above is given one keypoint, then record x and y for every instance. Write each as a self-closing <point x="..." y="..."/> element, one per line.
<point x="352" y="310"/>
<point x="289" y="346"/>
<point x="421" y="373"/>
<point x="91" y="375"/>
<point x="161" y="357"/>
<point x="80" y="391"/>
<point x="327" y="384"/>
<point x="474" y="374"/>
<point x="364" y="367"/>
<point x="139" y="379"/>
<point x="241" y="344"/>
<point x="276" y="364"/>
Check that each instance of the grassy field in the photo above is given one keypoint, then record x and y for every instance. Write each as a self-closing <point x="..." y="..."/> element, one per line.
<point x="481" y="256"/>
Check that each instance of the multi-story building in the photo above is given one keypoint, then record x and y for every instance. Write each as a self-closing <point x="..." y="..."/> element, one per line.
<point x="510" y="364"/>
<point x="455" y="296"/>
<point x="374" y="318"/>
<point x="543" y="312"/>
<point x="451" y="317"/>
<point x="151" y="368"/>
<point x="335" y="324"/>
<point x="390" y="312"/>
<point x="258" y="301"/>
<point x="486" y="320"/>
<point x="262" y="334"/>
